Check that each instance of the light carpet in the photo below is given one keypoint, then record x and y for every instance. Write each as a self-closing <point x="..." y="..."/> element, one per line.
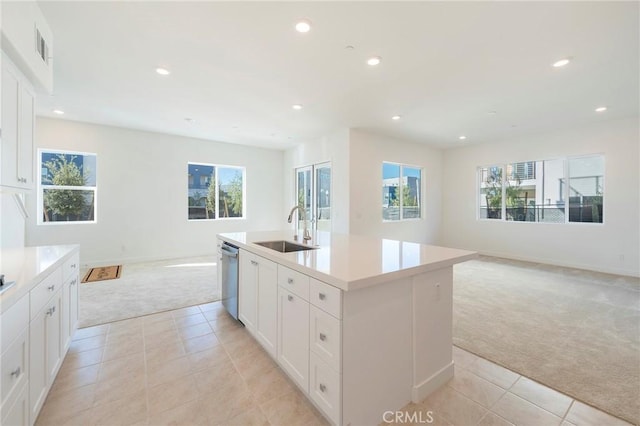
<point x="573" y="330"/>
<point x="147" y="288"/>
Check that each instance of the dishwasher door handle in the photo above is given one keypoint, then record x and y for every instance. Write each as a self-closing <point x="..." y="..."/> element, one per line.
<point x="229" y="253"/>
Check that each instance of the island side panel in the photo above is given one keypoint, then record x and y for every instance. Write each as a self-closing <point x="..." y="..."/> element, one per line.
<point x="432" y="331"/>
<point x="376" y="351"/>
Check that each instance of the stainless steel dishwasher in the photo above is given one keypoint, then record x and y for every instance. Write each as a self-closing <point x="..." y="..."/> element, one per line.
<point x="229" y="285"/>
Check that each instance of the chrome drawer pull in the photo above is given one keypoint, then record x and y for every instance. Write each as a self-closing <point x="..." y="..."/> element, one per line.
<point x="16" y="372"/>
<point x="73" y="266"/>
<point x="74" y="282"/>
<point x="290" y="280"/>
<point x="51" y="287"/>
<point x="51" y="311"/>
<point x="322" y="296"/>
<point x="322" y="387"/>
<point x="290" y="297"/>
<point x="323" y="337"/>
<point x="253" y="262"/>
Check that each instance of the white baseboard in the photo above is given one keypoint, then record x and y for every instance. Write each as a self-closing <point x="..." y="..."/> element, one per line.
<point x="424" y="389"/>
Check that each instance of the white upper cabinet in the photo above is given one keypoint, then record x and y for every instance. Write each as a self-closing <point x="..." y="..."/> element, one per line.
<point x="28" y="41"/>
<point x="18" y="120"/>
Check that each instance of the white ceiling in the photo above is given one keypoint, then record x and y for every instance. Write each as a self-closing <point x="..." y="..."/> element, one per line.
<point x="238" y="67"/>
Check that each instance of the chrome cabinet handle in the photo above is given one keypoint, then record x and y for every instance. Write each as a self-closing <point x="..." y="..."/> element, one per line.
<point x="51" y="287"/>
<point x="322" y="296"/>
<point x="74" y="281"/>
<point x="322" y="387"/>
<point x="51" y="311"/>
<point x="15" y="373"/>
<point x="253" y="262"/>
<point x="73" y="266"/>
<point x="323" y="337"/>
<point x="290" y="280"/>
<point x="290" y="298"/>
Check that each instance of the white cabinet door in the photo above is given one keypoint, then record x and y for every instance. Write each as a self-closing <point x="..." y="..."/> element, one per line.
<point x="73" y="305"/>
<point x="18" y="118"/>
<point x="293" y="336"/>
<point x="45" y="352"/>
<point x="267" y="316"/>
<point x="248" y="291"/>
<point x="18" y="413"/>
<point x="26" y="140"/>
<point x="65" y="318"/>
<point x="10" y="114"/>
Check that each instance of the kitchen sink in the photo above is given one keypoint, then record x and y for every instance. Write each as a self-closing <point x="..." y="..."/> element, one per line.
<point x="284" y="246"/>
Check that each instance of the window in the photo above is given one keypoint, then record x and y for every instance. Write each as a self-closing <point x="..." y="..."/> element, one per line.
<point x="215" y="192"/>
<point x="536" y="191"/>
<point x="67" y="187"/>
<point x="586" y="189"/>
<point x="401" y="192"/>
<point x="313" y="192"/>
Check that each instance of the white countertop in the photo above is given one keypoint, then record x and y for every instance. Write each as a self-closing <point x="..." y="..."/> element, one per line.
<point x="350" y="262"/>
<point x="28" y="266"/>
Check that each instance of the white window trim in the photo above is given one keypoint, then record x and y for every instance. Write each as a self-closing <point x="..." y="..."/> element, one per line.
<point x="41" y="187"/>
<point x="422" y="192"/>
<point x="566" y="177"/>
<point x="243" y="169"/>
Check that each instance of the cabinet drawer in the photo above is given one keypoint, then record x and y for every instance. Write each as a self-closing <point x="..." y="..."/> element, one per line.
<point x="13" y="366"/>
<point x="71" y="266"/>
<point x="16" y="412"/>
<point x="326" y="297"/>
<point x="14" y="321"/>
<point x="325" y="337"/>
<point x="294" y="281"/>
<point x="325" y="388"/>
<point x="41" y="293"/>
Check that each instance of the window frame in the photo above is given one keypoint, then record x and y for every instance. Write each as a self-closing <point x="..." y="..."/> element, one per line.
<point x="400" y="186"/>
<point x="565" y="190"/>
<point x="216" y="167"/>
<point x="41" y="187"/>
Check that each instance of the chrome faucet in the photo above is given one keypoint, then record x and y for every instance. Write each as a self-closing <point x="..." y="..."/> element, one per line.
<point x="301" y="212"/>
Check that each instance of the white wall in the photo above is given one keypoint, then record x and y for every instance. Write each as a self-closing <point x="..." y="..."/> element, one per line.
<point x="333" y="148"/>
<point x="368" y="151"/>
<point x="610" y="247"/>
<point x="142" y="193"/>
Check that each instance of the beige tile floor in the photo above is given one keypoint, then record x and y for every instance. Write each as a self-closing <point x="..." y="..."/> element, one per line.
<point x="196" y="366"/>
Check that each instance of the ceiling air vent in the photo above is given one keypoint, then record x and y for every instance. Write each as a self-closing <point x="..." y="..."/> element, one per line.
<point x="42" y="47"/>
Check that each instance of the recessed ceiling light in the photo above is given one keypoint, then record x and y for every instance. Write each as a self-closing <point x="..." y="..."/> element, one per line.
<point x="396" y="117"/>
<point x="601" y="109"/>
<point x="163" y="71"/>
<point x="58" y="111"/>
<point x="303" y="26"/>
<point x="462" y="137"/>
<point x="561" y="63"/>
<point x="297" y="107"/>
<point x="374" y="60"/>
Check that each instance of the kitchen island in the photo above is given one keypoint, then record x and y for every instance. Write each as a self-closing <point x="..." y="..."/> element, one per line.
<point x="362" y="325"/>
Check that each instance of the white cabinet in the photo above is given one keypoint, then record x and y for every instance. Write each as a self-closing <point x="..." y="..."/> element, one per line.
<point x="18" y="119"/>
<point x="258" y="304"/>
<point x="69" y="311"/>
<point x="293" y="336"/>
<point x="45" y="351"/>
<point x="248" y="291"/>
<point x="17" y="413"/>
<point x="14" y="362"/>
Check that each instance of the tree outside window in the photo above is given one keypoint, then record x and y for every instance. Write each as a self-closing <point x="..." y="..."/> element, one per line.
<point x="215" y="192"/>
<point x="67" y="187"/>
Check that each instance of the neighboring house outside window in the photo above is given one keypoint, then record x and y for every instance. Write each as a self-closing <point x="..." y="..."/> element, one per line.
<point x="215" y="191"/>
<point x="401" y="192"/>
<point x="67" y="187"/>
<point x="537" y="191"/>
